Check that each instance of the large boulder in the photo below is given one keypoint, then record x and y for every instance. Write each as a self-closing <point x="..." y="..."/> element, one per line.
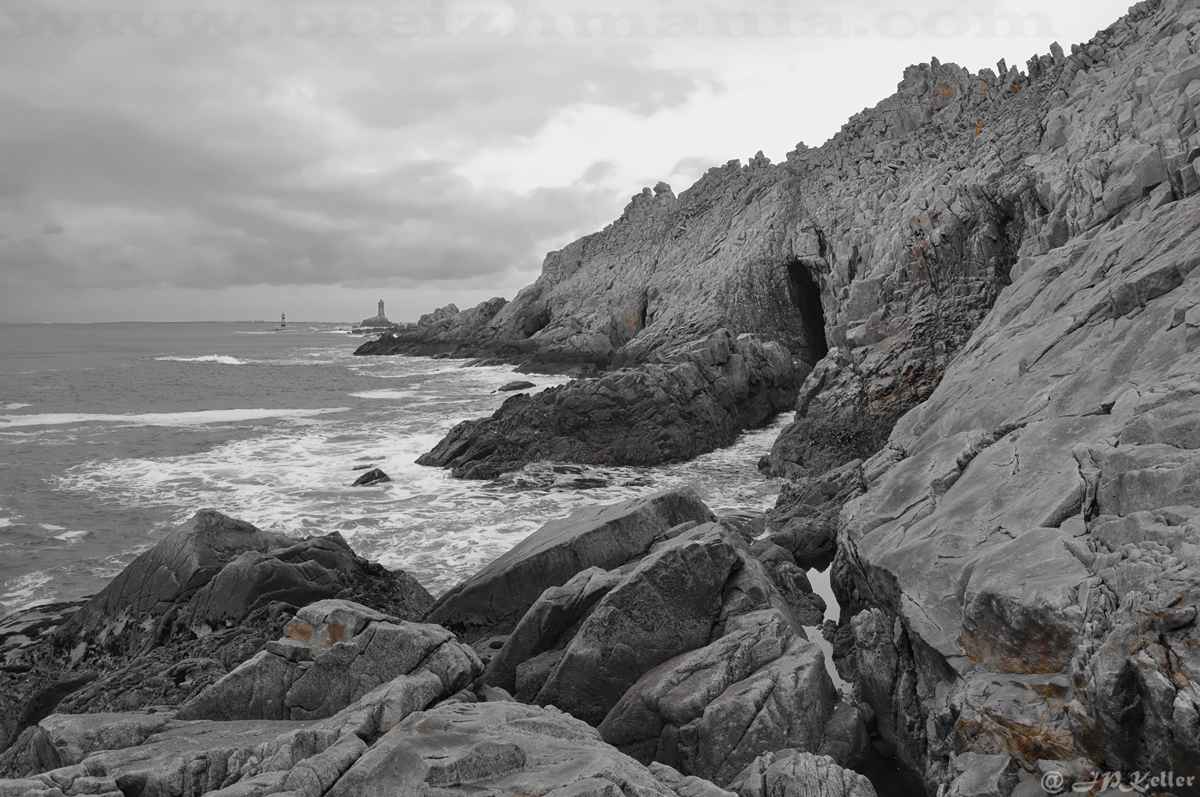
<point x="698" y="398"/>
<point x="333" y="653"/>
<point x="710" y="711"/>
<point x="208" y="596"/>
<point x="593" y="536"/>
<point x="499" y="748"/>
<point x="667" y="605"/>
<point x="167" y="575"/>
<point x="692" y="656"/>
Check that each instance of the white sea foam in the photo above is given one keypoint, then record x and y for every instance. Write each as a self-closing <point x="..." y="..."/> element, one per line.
<point x="5" y="522"/>
<point x="52" y="527"/>
<point x="439" y="528"/>
<point x="386" y="393"/>
<point x="221" y="359"/>
<point x="195" y="418"/>
<point x="26" y="590"/>
<point x="73" y="536"/>
<point x="297" y="478"/>
<point x="14" y="405"/>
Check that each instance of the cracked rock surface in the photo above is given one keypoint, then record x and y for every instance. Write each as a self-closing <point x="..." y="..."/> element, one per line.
<point x="1032" y="539"/>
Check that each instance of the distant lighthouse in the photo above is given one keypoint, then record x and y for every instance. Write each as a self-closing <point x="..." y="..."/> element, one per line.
<point x="381" y="315"/>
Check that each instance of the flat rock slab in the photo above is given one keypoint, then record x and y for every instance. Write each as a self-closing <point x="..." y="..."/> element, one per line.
<point x="594" y="536"/>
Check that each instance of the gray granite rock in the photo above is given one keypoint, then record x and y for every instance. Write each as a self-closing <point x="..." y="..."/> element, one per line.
<point x="667" y="605"/>
<point x="601" y="536"/>
<point x="183" y="614"/>
<point x="332" y="654"/>
<point x="712" y="710"/>
<point x="795" y="773"/>
<point x="1025" y="562"/>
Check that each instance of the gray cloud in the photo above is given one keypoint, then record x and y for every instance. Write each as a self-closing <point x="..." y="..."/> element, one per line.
<point x="145" y="158"/>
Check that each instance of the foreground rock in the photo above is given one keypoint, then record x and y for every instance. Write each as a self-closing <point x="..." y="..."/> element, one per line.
<point x="391" y="749"/>
<point x="600" y="536"/>
<point x="333" y="653"/>
<point x="372" y="476"/>
<point x="698" y="398"/>
<point x="180" y="616"/>
<point x="688" y="652"/>
<point x="498" y="748"/>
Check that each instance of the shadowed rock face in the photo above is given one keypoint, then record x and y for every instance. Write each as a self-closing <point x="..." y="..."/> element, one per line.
<point x="698" y="399"/>
<point x="1023" y="569"/>
<point x="181" y="615"/>
<point x="496" y="597"/>
<point x="689" y="655"/>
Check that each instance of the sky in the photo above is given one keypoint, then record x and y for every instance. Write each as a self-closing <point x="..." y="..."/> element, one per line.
<point x="206" y="160"/>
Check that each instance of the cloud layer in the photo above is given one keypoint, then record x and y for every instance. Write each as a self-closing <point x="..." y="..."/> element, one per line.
<point x="334" y="150"/>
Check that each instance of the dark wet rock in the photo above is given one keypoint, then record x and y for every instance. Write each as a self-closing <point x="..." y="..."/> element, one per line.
<point x="793" y="773"/>
<point x="667" y="605"/>
<point x="560" y="476"/>
<point x="600" y="536"/>
<point x="519" y="384"/>
<point x="804" y="519"/>
<point x="555" y="613"/>
<point x="373" y="476"/>
<point x="207" y="597"/>
<point x="791" y="581"/>
<point x="170" y="573"/>
<point x="698" y="398"/>
<point x="710" y="711"/>
<point x="667" y="652"/>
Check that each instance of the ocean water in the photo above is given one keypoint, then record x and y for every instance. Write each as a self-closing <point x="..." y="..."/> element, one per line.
<point x="112" y="433"/>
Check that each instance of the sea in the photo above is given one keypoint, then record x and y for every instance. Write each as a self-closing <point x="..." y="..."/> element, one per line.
<point x="111" y="434"/>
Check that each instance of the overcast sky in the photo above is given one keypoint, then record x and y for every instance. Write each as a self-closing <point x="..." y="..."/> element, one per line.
<point x="198" y="160"/>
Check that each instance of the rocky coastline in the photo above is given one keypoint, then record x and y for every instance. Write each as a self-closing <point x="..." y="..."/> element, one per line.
<point x="982" y="301"/>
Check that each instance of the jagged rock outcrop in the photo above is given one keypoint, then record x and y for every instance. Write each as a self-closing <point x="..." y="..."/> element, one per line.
<point x="697" y="399"/>
<point x="688" y="653"/>
<point x="204" y="599"/>
<point x="1021" y="575"/>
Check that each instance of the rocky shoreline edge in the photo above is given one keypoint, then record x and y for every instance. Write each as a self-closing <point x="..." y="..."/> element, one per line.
<point x="645" y="647"/>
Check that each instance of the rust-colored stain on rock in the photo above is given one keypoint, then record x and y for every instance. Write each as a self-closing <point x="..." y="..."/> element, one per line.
<point x="299" y="631"/>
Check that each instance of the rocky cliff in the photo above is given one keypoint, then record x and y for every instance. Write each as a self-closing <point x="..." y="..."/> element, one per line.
<point x="993" y="276"/>
<point x="996" y="280"/>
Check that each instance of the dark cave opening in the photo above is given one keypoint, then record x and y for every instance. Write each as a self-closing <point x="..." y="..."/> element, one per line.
<point x="805" y="294"/>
